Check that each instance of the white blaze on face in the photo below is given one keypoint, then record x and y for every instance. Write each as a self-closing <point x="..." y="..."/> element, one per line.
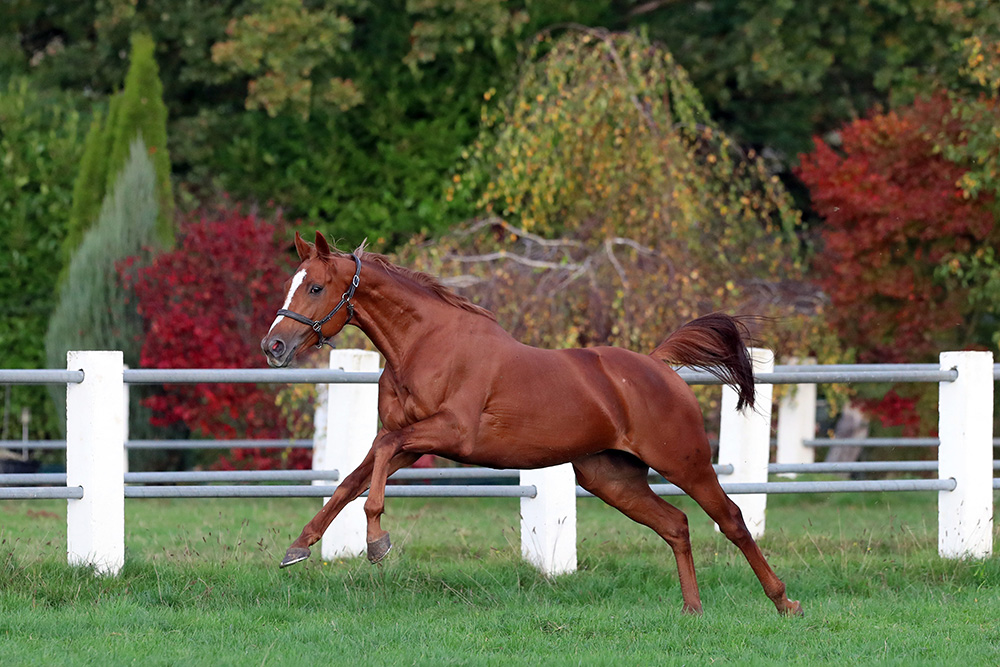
<point x="297" y="281"/>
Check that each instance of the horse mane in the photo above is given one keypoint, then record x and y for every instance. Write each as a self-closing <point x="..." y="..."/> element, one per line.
<point x="428" y="282"/>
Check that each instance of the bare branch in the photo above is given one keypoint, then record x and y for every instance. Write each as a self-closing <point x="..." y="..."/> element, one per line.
<point x="635" y="245"/>
<point x="519" y="259"/>
<point x="494" y="221"/>
<point x="462" y="281"/>
<point x="647" y="7"/>
<point x="609" y="251"/>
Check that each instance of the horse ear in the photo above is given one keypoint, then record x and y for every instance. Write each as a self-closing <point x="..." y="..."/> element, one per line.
<point x="322" y="247"/>
<point x="302" y="247"/>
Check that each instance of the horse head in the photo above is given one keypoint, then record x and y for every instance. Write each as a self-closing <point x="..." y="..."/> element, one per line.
<point x="317" y="302"/>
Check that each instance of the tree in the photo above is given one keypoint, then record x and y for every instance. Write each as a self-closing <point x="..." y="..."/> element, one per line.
<point x="286" y="50"/>
<point x="777" y="73"/>
<point x="378" y="169"/>
<point x="893" y="211"/>
<point x="138" y="111"/>
<point x="612" y="209"/>
<point x="206" y="304"/>
<point x="41" y="139"/>
<point x="88" y="188"/>
<point x="142" y="113"/>
<point x="95" y="309"/>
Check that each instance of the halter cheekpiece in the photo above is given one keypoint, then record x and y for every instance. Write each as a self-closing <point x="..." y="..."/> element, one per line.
<point x="345" y="300"/>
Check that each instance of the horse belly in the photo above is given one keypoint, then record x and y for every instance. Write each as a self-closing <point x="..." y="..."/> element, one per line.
<point x="540" y="436"/>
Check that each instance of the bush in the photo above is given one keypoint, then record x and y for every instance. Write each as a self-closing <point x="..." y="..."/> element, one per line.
<point x="206" y="305"/>
<point x="40" y="144"/>
<point x="894" y="215"/>
<point x="612" y="210"/>
<point x="893" y="211"/>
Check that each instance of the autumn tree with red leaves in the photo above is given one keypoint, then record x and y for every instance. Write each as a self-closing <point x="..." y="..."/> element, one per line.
<point x="206" y="305"/>
<point x="893" y="210"/>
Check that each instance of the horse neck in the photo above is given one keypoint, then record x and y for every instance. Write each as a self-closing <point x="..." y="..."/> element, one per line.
<point x="397" y="314"/>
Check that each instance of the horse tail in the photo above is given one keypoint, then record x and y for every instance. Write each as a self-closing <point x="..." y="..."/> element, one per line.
<point x="715" y="343"/>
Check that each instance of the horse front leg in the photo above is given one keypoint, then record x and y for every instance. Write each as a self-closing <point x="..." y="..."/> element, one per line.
<point x="440" y="433"/>
<point x="350" y="489"/>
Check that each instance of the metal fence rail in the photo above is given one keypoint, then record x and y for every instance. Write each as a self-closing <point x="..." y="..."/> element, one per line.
<point x="302" y="443"/>
<point x="41" y="492"/>
<point x="831" y="373"/>
<point x="840" y="374"/>
<point x="40" y="376"/>
<point x="303" y="491"/>
<point x="213" y="476"/>
<point x="858" y="466"/>
<point x="247" y="375"/>
<point x="444" y="474"/>
<point x="263" y="443"/>
<point x="846" y="486"/>
<point x="878" y="442"/>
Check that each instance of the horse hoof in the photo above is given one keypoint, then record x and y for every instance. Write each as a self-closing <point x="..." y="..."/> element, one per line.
<point x="294" y="555"/>
<point x="793" y="609"/>
<point x="378" y="549"/>
<point x="691" y="610"/>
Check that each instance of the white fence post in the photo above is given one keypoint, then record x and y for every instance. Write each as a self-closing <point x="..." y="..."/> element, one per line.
<point x="548" y="521"/>
<point x="965" y="426"/>
<point x="745" y="442"/>
<point x="796" y="422"/>
<point x="95" y="524"/>
<point x="351" y="424"/>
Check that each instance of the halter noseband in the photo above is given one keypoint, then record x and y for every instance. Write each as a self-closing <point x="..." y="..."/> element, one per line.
<point x="345" y="300"/>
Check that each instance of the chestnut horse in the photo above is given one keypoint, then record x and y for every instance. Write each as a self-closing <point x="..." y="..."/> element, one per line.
<point x="457" y="385"/>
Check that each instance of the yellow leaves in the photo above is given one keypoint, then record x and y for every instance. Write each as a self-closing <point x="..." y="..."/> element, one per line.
<point x="280" y="47"/>
<point x="570" y="159"/>
<point x="982" y="62"/>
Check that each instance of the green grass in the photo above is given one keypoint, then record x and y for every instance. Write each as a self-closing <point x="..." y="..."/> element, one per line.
<point x="201" y="586"/>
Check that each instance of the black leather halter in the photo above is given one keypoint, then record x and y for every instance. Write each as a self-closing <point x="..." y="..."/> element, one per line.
<point x="345" y="300"/>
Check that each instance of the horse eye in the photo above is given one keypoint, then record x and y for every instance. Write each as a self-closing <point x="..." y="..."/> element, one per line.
<point x="315" y="289"/>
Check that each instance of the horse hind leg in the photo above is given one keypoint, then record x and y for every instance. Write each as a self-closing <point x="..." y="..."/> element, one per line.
<point x="707" y="492"/>
<point x="619" y="479"/>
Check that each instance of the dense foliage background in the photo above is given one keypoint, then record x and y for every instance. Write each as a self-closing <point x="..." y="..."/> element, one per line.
<point x="612" y="168"/>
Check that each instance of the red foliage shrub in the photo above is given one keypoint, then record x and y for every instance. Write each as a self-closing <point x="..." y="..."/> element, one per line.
<point x="892" y="209"/>
<point x="895" y="410"/>
<point x="206" y="305"/>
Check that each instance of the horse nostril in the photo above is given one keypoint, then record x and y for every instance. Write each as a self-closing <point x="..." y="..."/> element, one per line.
<point x="277" y="348"/>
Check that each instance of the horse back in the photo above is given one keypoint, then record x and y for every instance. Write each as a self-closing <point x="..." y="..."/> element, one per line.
<point x="569" y="403"/>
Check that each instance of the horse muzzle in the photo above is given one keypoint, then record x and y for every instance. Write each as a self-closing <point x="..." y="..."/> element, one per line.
<point x="278" y="353"/>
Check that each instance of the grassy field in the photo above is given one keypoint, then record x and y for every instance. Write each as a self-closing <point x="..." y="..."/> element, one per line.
<point x="201" y="586"/>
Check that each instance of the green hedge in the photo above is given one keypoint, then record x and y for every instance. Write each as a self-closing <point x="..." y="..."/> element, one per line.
<point x="41" y="140"/>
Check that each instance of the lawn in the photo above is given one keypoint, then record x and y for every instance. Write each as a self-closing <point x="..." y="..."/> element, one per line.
<point x="201" y="586"/>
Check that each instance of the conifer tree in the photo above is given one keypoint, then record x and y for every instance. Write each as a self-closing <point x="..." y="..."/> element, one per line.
<point x="88" y="188"/>
<point x="141" y="112"/>
<point x="137" y="111"/>
<point x="95" y="311"/>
